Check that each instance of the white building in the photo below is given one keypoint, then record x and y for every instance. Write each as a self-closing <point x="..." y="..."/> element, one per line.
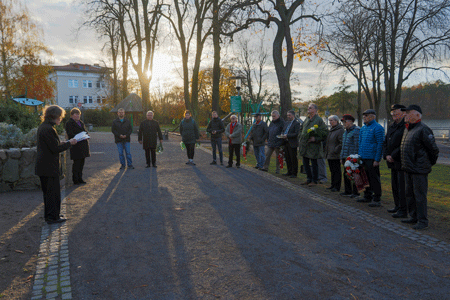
<point x="80" y="83"/>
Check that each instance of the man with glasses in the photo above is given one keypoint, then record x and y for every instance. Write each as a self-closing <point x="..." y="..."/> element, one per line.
<point x="371" y="140"/>
<point x="391" y="153"/>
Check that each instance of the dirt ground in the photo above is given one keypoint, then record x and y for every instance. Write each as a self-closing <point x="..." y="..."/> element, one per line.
<point x="20" y="222"/>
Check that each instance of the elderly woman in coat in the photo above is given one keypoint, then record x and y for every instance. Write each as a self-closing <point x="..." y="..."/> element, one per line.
<point x="47" y="162"/>
<point x="333" y="151"/>
<point x="80" y="151"/>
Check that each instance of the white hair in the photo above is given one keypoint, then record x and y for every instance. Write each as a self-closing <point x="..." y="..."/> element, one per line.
<point x="233" y="116"/>
<point x="333" y="117"/>
<point x="275" y="112"/>
<point x="150" y="112"/>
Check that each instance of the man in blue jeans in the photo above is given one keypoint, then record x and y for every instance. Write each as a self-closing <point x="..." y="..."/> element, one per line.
<point x="216" y="129"/>
<point x="122" y="129"/>
<point x="258" y="135"/>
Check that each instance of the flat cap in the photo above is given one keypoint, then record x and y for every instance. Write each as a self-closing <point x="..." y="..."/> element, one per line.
<point x="397" y="106"/>
<point x="413" y="107"/>
<point x="348" y="117"/>
<point x="369" y="112"/>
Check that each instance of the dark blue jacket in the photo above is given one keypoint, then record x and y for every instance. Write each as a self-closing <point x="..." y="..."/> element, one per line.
<point x="275" y="128"/>
<point x="350" y="142"/>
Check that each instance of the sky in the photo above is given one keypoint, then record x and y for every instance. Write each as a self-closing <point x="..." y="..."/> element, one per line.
<point x="61" y="21"/>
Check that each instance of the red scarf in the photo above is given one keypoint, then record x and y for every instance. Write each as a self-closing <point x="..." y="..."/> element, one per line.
<point x="407" y="124"/>
<point x="231" y="130"/>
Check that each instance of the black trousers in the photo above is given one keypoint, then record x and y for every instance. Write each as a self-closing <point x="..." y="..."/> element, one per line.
<point x="372" y="192"/>
<point x="350" y="186"/>
<point x="236" y="149"/>
<point x="291" y="159"/>
<point x="311" y="175"/>
<point x="52" y="197"/>
<point x="190" y="149"/>
<point x="336" y="175"/>
<point x="398" y="189"/>
<point x="151" y="151"/>
<point x="416" y="196"/>
<point x="77" y="170"/>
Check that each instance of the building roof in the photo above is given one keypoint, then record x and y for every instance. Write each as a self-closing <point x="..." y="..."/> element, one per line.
<point x="76" y="67"/>
<point x="132" y="103"/>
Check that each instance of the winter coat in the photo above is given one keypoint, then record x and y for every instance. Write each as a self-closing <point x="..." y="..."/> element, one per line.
<point x="149" y="132"/>
<point x="333" y="145"/>
<point x="189" y="131"/>
<point x="121" y="128"/>
<point x="259" y="134"/>
<point x="350" y="142"/>
<point x="313" y="150"/>
<point x="236" y="136"/>
<point x="392" y="143"/>
<point x="371" y="138"/>
<point x="292" y="133"/>
<point x="48" y="149"/>
<point x="216" y="124"/>
<point x="81" y="149"/>
<point x="419" y="151"/>
<point x="275" y="128"/>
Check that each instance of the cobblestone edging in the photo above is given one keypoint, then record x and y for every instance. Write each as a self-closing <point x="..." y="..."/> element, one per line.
<point x="52" y="278"/>
<point x="409" y="233"/>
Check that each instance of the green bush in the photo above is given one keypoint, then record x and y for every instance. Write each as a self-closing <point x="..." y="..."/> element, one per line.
<point x="11" y="136"/>
<point x="19" y="115"/>
<point x="99" y="116"/>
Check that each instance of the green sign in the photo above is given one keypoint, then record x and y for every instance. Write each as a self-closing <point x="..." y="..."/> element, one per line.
<point x="236" y="104"/>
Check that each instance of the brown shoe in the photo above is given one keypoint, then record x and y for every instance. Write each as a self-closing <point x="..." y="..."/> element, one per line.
<point x="305" y="183"/>
<point x="312" y="184"/>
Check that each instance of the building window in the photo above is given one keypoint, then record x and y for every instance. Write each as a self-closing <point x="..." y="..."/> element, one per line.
<point x="100" y="84"/>
<point x="73" y="83"/>
<point x="73" y="99"/>
<point x="87" y="83"/>
<point x="99" y="100"/>
<point x="85" y="99"/>
<point x="90" y="99"/>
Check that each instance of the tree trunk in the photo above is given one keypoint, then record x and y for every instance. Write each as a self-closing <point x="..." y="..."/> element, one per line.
<point x="216" y="67"/>
<point x="124" y="68"/>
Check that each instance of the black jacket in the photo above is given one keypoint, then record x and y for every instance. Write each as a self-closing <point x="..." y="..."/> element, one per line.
<point x="48" y="149"/>
<point x="392" y="143"/>
<point x="217" y="125"/>
<point x="81" y="149"/>
<point x="149" y="132"/>
<point x="259" y="134"/>
<point x="121" y="128"/>
<point x="293" y="132"/>
<point x="419" y="151"/>
<point x="275" y="128"/>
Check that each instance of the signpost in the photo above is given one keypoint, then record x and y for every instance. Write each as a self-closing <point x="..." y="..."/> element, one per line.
<point x="236" y="104"/>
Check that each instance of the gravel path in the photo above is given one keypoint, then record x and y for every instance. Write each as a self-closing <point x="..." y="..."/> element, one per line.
<point x="207" y="232"/>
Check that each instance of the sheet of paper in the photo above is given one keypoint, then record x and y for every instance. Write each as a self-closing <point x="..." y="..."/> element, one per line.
<point x="81" y="136"/>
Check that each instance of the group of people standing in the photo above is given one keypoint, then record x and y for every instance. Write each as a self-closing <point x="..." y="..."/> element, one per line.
<point x="408" y="147"/>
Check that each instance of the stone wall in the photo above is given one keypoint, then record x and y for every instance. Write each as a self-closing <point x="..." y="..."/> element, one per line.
<point x="17" y="169"/>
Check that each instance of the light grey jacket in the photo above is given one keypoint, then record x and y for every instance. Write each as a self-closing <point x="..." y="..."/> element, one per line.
<point x="236" y="136"/>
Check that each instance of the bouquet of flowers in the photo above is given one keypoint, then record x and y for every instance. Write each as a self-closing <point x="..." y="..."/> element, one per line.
<point x="245" y="148"/>
<point x="355" y="172"/>
<point x="183" y="146"/>
<point x="312" y="131"/>
<point x="159" y="148"/>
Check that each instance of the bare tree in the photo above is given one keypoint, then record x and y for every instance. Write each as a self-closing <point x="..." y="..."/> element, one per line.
<point x="414" y="35"/>
<point x="284" y="14"/>
<point x="252" y="63"/>
<point x="352" y="45"/>
<point x="138" y="21"/>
